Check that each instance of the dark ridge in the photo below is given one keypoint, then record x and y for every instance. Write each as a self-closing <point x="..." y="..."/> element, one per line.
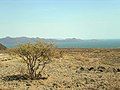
<point x="2" y="47"/>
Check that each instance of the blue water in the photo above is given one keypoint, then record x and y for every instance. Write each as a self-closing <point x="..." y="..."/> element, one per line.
<point x="82" y="44"/>
<point x="90" y="44"/>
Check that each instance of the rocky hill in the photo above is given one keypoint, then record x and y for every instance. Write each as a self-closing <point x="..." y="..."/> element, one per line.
<point x="2" y="47"/>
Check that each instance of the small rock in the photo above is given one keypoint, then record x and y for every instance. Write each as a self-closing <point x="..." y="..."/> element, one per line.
<point x="28" y="84"/>
<point x="101" y="68"/>
<point x="90" y="69"/>
<point x="118" y="70"/>
<point x="80" y="70"/>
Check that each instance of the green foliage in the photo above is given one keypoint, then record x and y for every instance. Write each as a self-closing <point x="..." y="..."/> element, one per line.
<point x="35" y="55"/>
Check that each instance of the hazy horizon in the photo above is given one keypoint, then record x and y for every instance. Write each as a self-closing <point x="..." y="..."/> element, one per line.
<point x="57" y="38"/>
<point x="82" y="19"/>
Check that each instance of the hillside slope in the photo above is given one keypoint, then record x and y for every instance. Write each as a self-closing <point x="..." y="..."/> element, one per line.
<point x="2" y="47"/>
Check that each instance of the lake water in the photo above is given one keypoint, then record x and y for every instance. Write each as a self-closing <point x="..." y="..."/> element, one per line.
<point x="83" y="44"/>
<point x="90" y="44"/>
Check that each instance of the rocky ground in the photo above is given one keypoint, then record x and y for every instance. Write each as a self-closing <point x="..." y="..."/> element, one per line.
<point x="79" y="69"/>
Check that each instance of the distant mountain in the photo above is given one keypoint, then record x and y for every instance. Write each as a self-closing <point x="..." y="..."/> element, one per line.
<point x="11" y="42"/>
<point x="73" y="39"/>
<point x="64" y="43"/>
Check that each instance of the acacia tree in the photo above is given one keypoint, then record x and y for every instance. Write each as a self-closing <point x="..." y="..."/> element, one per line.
<point x="36" y="56"/>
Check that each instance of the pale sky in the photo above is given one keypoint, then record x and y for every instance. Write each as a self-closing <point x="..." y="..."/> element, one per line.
<point x="84" y="19"/>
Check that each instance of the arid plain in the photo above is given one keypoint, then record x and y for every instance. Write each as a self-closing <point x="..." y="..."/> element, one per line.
<point x="78" y="69"/>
